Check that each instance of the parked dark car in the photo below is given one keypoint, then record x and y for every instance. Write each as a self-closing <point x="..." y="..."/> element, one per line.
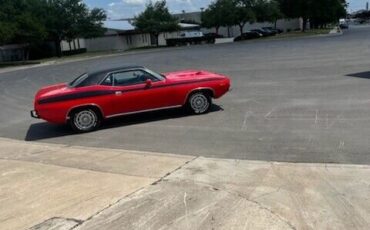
<point x="248" y="35"/>
<point x="264" y="33"/>
<point x="272" y="32"/>
<point x="277" y="30"/>
<point x="344" y="26"/>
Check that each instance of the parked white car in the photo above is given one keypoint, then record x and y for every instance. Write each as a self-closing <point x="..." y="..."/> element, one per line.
<point x="192" y="34"/>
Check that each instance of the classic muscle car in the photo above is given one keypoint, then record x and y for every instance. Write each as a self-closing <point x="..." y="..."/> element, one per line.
<point x="92" y="97"/>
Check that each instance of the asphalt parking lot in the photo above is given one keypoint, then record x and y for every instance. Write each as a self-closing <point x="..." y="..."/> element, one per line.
<point x="298" y="100"/>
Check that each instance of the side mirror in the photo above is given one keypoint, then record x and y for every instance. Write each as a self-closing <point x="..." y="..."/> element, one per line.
<point x="148" y="83"/>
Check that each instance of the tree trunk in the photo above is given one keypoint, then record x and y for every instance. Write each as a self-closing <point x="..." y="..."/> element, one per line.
<point x="304" y="26"/>
<point x="24" y="53"/>
<point x="58" y="47"/>
<point x="28" y="53"/>
<point x="275" y="24"/>
<point x="70" y="47"/>
<point x="217" y="28"/>
<point x="74" y="44"/>
<point x="228" y="31"/>
<point x="78" y="43"/>
<point x="241" y="27"/>
<point x="156" y="39"/>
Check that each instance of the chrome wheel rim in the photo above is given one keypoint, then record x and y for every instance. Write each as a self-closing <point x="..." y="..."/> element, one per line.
<point x="199" y="103"/>
<point x="85" y="120"/>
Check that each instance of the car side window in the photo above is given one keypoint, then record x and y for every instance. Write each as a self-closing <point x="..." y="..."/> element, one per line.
<point x="108" y="81"/>
<point x="130" y="78"/>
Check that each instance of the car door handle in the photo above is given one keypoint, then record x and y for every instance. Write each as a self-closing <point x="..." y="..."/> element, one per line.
<point x="118" y="93"/>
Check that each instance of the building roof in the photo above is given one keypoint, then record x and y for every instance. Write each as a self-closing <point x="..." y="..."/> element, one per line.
<point x="188" y="25"/>
<point x="124" y="27"/>
<point x="118" y="25"/>
<point x="190" y="16"/>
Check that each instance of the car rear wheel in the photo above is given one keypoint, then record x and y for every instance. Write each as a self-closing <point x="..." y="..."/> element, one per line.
<point x="199" y="102"/>
<point x="84" y="120"/>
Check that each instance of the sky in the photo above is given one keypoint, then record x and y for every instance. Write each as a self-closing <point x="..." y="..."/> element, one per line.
<point x="118" y="9"/>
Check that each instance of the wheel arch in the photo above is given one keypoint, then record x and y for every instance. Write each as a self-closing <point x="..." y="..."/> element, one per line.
<point x="95" y="107"/>
<point x="208" y="90"/>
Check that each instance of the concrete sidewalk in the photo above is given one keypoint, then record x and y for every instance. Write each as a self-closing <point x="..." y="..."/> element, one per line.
<point x="68" y="185"/>
<point x="61" y="187"/>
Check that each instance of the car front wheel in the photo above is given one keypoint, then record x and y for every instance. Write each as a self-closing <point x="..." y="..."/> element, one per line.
<point x="84" y="120"/>
<point x="199" y="103"/>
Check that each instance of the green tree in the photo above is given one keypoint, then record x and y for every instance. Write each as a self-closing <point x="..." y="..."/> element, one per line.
<point x="240" y="12"/>
<point x="32" y="22"/>
<point x="267" y="11"/>
<point x="156" y="19"/>
<point x="6" y="32"/>
<point x="363" y="15"/>
<point x="22" y="21"/>
<point x="220" y="13"/>
<point x="326" y="12"/>
<point x="71" y="19"/>
<point x="319" y="12"/>
<point x="211" y="18"/>
<point x="243" y="13"/>
<point x="296" y="9"/>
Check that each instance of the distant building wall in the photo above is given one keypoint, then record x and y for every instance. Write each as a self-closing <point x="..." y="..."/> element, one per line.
<point x="124" y="40"/>
<point x="12" y="53"/>
<point x="163" y="36"/>
<point x="118" y="42"/>
<point x="73" y="45"/>
<point x="284" y="24"/>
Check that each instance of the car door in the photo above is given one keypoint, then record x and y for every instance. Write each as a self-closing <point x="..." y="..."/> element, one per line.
<point x="133" y="94"/>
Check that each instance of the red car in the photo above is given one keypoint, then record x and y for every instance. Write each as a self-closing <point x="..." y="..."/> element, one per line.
<point x="86" y="101"/>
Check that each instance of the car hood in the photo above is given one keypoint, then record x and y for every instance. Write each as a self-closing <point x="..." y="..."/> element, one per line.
<point x="191" y="75"/>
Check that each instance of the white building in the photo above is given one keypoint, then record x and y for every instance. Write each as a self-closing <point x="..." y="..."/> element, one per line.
<point x="121" y="35"/>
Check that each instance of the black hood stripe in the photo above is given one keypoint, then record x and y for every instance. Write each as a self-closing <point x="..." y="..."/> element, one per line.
<point x="96" y="93"/>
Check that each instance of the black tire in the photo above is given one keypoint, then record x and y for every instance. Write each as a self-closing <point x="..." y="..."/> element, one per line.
<point x="199" y="102"/>
<point x="85" y="120"/>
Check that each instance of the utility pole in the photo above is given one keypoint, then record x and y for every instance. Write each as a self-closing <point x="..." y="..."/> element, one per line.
<point x="367" y="6"/>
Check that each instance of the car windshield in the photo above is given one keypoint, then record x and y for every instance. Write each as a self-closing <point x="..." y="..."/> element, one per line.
<point x="157" y="75"/>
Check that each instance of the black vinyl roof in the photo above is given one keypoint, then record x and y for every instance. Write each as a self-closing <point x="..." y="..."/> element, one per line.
<point x="100" y="74"/>
<point x="95" y="77"/>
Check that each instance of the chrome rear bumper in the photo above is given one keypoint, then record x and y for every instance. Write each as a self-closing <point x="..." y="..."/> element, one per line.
<point x="34" y="114"/>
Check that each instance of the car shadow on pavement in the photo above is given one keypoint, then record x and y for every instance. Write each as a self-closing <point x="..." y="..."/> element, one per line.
<point x="44" y="130"/>
<point x="365" y="75"/>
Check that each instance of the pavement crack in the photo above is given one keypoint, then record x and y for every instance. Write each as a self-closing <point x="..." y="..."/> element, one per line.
<point x="268" y="193"/>
<point x="268" y="210"/>
<point x="240" y="195"/>
<point x="173" y="171"/>
<point x="130" y="194"/>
